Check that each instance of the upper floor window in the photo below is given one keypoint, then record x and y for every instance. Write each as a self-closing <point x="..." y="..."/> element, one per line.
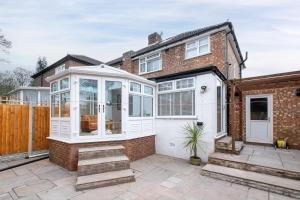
<point x="197" y="47"/>
<point x="150" y="63"/>
<point x="60" y="68"/>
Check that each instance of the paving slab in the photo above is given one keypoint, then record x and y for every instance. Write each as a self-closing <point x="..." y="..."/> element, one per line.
<point x="28" y="190"/>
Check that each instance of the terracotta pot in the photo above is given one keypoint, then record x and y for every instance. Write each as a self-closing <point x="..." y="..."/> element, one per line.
<point x="195" y="160"/>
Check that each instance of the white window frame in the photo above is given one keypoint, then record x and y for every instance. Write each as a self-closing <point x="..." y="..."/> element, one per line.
<point x="145" y="62"/>
<point x="142" y="94"/>
<point x="59" y="92"/>
<point x="177" y="90"/>
<point x="198" y="47"/>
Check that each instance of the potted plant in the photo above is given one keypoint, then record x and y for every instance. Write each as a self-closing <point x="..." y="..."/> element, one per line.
<point x="193" y="132"/>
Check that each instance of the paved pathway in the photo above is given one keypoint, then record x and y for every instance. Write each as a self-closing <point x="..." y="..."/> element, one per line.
<point x="157" y="178"/>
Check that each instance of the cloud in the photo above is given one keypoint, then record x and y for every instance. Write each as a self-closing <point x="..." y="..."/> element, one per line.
<point x="104" y="29"/>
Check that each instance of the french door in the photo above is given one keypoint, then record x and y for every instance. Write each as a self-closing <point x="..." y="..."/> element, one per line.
<point x="101" y="103"/>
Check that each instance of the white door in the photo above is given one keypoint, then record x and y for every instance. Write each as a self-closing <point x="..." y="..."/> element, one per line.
<point x="112" y="107"/>
<point x="259" y="119"/>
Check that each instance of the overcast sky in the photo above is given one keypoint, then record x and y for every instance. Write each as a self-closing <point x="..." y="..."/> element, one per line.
<point x="103" y="29"/>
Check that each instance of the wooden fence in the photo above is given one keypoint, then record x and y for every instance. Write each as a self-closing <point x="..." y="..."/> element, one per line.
<point x="16" y="125"/>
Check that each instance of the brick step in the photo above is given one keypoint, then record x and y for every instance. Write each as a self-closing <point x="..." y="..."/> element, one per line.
<point x="235" y="161"/>
<point x="100" y="152"/>
<point x="228" y="149"/>
<point x="224" y="142"/>
<point x="279" y="185"/>
<point x="101" y="165"/>
<point x="104" y="179"/>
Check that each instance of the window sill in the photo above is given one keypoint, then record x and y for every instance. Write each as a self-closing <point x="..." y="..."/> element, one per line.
<point x="204" y="54"/>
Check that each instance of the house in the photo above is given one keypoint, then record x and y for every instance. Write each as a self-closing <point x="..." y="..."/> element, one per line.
<point x="143" y="99"/>
<point x="30" y="95"/>
<point x="69" y="60"/>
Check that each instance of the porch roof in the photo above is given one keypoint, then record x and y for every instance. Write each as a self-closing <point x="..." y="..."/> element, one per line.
<point x="100" y="70"/>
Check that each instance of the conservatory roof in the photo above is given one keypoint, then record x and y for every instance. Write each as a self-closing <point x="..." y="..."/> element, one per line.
<point x="100" y="70"/>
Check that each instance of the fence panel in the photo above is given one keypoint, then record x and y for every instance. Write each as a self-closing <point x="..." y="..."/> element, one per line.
<point x="41" y="127"/>
<point x="14" y="128"/>
<point x="14" y="121"/>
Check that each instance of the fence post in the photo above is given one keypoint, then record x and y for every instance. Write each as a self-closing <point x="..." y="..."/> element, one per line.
<point x="30" y="130"/>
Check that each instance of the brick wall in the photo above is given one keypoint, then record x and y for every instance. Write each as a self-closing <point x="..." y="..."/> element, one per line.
<point x="286" y="107"/>
<point x="66" y="155"/>
<point x="173" y="59"/>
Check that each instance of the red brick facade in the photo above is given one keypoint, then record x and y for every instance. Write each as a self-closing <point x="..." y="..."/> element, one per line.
<point x="173" y="59"/>
<point x="286" y="105"/>
<point x="66" y="154"/>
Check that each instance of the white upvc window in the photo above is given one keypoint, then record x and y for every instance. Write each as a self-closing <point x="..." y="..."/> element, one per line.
<point x="140" y="100"/>
<point x="197" y="47"/>
<point x="150" y="63"/>
<point x="176" y="98"/>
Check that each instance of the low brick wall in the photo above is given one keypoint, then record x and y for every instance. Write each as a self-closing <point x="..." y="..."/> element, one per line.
<point x="66" y="154"/>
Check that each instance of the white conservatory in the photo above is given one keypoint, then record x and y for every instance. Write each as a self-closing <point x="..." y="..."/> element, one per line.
<point x="100" y="103"/>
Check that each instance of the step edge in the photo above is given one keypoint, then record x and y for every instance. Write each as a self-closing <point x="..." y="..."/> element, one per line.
<point x="89" y="149"/>
<point x="82" y="162"/>
<point x="260" y="174"/>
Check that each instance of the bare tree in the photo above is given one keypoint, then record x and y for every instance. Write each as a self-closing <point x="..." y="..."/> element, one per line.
<point x="9" y="80"/>
<point x="22" y="76"/>
<point x="4" y="45"/>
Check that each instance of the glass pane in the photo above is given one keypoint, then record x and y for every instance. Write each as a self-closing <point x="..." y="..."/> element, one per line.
<point x="135" y="105"/>
<point x="88" y="93"/>
<point x="153" y="56"/>
<point x="54" y="86"/>
<point x="203" y="41"/>
<point x="176" y="99"/>
<point x="219" y="109"/>
<point x="191" y="45"/>
<point x="135" y="87"/>
<point x="64" y="83"/>
<point x="148" y="107"/>
<point x="191" y="53"/>
<point x="30" y="97"/>
<point x="153" y="65"/>
<point x="143" y="67"/>
<point x="65" y="104"/>
<point x="259" y="108"/>
<point x="165" y="86"/>
<point x="113" y="108"/>
<point x="187" y="103"/>
<point x="164" y="104"/>
<point x="55" y="105"/>
<point x="186" y="83"/>
<point x="148" y="90"/>
<point x="44" y="95"/>
<point x="203" y="49"/>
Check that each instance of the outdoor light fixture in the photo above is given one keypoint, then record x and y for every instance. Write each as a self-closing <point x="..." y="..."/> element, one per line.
<point x="297" y="92"/>
<point x="203" y="88"/>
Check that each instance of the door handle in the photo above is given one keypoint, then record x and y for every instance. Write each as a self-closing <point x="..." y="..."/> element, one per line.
<point x="99" y="108"/>
<point x="103" y="108"/>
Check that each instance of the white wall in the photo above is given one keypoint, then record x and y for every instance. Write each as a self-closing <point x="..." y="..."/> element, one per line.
<point x="169" y="132"/>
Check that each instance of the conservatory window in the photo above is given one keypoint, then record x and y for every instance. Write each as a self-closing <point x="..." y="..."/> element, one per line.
<point x="150" y="63"/>
<point x="64" y="83"/>
<point x="54" y="86"/>
<point x="135" y="105"/>
<point x="140" y="102"/>
<point x="65" y="104"/>
<point x="165" y="86"/>
<point x="135" y="87"/>
<point x="55" y="105"/>
<point x="179" y="101"/>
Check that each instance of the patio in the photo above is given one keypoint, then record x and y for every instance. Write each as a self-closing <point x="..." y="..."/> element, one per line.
<point x="157" y="177"/>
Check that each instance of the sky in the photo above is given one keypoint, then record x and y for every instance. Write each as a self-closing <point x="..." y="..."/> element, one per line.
<point x="103" y="29"/>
